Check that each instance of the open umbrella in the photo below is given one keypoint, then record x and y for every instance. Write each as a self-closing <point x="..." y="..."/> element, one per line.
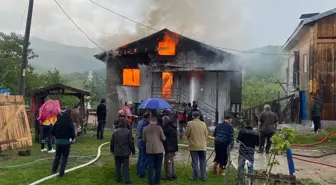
<point x="155" y="103"/>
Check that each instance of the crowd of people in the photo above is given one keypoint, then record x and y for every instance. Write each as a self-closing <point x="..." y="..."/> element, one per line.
<point x="157" y="140"/>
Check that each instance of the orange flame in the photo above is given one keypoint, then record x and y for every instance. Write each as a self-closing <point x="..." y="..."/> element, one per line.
<point x="167" y="83"/>
<point x="131" y="77"/>
<point x="167" y="46"/>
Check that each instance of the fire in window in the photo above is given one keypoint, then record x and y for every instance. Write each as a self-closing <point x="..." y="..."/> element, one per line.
<point x="131" y="77"/>
<point x="167" y="46"/>
<point x="167" y="83"/>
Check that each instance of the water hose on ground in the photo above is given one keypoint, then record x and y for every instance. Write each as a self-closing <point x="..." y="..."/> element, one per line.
<point x="183" y="145"/>
<point x="74" y="168"/>
<point x="314" y="162"/>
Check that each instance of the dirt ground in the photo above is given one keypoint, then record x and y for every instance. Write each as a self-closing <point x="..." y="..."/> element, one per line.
<point x="304" y="170"/>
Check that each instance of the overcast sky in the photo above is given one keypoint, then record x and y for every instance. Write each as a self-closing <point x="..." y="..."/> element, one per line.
<point x="261" y="22"/>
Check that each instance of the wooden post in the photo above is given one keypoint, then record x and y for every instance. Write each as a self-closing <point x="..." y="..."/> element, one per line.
<point x="82" y="112"/>
<point x="217" y="114"/>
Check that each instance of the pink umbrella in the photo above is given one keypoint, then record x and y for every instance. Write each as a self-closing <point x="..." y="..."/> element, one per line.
<point x="49" y="109"/>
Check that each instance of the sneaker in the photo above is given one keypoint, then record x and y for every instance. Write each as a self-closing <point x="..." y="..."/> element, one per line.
<point x="44" y="150"/>
<point x="51" y="151"/>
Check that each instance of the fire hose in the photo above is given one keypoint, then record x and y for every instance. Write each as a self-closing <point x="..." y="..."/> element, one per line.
<point x="183" y="145"/>
<point x="310" y="145"/>
<point x="74" y="168"/>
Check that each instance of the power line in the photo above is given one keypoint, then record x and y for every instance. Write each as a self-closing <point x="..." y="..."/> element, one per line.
<point x="136" y="22"/>
<point x="151" y="28"/>
<point x="23" y="15"/>
<point x="73" y="22"/>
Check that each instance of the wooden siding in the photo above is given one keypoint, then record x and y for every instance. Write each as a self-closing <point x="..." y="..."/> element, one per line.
<point x="326" y="27"/>
<point x="325" y="78"/>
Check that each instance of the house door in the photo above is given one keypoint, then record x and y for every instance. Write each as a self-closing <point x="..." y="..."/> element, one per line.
<point x="167" y="84"/>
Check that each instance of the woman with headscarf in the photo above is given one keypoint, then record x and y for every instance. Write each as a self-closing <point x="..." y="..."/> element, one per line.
<point x="64" y="133"/>
<point x="170" y="146"/>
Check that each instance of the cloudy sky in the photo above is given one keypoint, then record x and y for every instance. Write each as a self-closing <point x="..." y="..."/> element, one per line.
<point x="238" y="24"/>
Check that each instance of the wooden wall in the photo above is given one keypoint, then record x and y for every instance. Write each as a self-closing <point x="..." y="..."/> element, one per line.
<point x="14" y="124"/>
<point x="325" y="64"/>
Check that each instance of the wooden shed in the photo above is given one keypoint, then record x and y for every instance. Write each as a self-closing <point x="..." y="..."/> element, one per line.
<point x="38" y="97"/>
<point x="14" y="124"/>
<point x="312" y="66"/>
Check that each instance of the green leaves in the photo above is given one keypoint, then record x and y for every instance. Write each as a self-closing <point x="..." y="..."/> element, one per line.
<point x="258" y="90"/>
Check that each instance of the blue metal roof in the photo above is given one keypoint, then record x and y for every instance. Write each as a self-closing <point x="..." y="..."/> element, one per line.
<point x="2" y="91"/>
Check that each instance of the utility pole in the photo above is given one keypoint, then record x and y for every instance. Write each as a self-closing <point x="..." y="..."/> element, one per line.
<point x="25" y="49"/>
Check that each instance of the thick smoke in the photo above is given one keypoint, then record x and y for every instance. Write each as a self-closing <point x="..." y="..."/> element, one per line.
<point x="215" y="22"/>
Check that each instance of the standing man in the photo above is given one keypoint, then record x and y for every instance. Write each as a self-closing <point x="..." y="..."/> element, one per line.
<point x="64" y="133"/>
<point x="154" y="137"/>
<point x="197" y="134"/>
<point x="248" y="139"/>
<point x="316" y="112"/>
<point x="195" y="109"/>
<point x="122" y="146"/>
<point x="101" y="116"/>
<point x="171" y="147"/>
<point x="224" y="139"/>
<point x="128" y="113"/>
<point x="267" y="125"/>
<point x="182" y="119"/>
<point x="76" y="118"/>
<point x="142" y="158"/>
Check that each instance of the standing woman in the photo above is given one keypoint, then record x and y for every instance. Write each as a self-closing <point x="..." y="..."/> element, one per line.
<point x="170" y="146"/>
<point x="64" y="133"/>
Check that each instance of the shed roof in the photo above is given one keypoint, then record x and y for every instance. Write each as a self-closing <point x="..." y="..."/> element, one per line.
<point x="50" y="88"/>
<point x="144" y="50"/>
<point x="304" y="22"/>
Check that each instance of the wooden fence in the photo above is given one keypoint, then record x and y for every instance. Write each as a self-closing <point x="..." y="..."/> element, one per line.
<point x="14" y="124"/>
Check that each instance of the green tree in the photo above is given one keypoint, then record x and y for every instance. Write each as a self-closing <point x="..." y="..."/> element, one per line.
<point x="10" y="60"/>
<point x="258" y="90"/>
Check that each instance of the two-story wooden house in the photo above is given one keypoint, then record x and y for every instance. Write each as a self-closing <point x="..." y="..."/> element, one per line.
<point x="312" y="65"/>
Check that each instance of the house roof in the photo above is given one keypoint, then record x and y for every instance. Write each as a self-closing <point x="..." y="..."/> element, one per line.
<point x="304" y="22"/>
<point x="47" y="89"/>
<point x="146" y="49"/>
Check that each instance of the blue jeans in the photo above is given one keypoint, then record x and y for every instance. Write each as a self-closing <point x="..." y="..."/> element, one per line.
<point x="46" y="135"/>
<point x="142" y="162"/>
<point x="198" y="156"/>
<point x="154" y="166"/>
<point x="243" y="156"/>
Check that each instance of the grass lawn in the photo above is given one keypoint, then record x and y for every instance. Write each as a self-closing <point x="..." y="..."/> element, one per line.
<point x="102" y="172"/>
<point x="310" y="138"/>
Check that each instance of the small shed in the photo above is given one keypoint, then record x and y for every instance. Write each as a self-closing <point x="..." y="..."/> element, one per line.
<point x="38" y="97"/>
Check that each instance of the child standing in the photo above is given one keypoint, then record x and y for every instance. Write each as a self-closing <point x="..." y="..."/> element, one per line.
<point x="122" y="146"/>
<point x="248" y="139"/>
<point x="64" y="133"/>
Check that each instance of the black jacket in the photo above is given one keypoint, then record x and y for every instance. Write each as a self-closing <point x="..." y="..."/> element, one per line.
<point x="64" y="128"/>
<point x="101" y="112"/>
<point x="171" y="142"/>
<point x="122" y="144"/>
<point x="190" y="118"/>
<point x="317" y="107"/>
<point x="248" y="137"/>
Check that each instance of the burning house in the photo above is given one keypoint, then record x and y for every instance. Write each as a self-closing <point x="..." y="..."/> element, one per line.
<point x="176" y="68"/>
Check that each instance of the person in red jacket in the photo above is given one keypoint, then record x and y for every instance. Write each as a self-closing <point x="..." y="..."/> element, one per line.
<point x="128" y="113"/>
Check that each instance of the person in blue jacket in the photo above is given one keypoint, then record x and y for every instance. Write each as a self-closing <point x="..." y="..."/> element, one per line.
<point x="224" y="139"/>
<point x="142" y="158"/>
